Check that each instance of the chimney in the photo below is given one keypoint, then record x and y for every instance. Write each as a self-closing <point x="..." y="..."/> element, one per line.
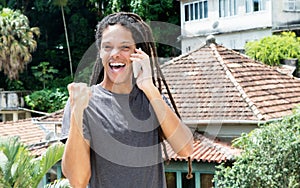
<point x="291" y="65"/>
<point x="210" y="39"/>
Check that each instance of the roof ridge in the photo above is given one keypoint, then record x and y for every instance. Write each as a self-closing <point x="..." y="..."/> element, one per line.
<point x="245" y="97"/>
<point x="183" y="55"/>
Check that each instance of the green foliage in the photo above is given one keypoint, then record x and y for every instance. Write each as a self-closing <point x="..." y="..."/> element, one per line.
<point x="19" y="169"/>
<point x="62" y="183"/>
<point x="47" y="100"/>
<point x="44" y="73"/>
<point x="81" y="17"/>
<point x="60" y="2"/>
<point x="61" y="82"/>
<point x="42" y="164"/>
<point x="270" y="157"/>
<point x="14" y="85"/>
<point x="272" y="49"/>
<point x="164" y="11"/>
<point x="17" y="42"/>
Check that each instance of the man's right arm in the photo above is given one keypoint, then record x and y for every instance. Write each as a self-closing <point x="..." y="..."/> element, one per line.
<point x="76" y="158"/>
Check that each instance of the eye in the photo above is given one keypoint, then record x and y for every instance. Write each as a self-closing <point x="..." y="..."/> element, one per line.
<point x="107" y="47"/>
<point x="125" y="48"/>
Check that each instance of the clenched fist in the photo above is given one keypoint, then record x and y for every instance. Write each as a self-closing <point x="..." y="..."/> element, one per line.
<point x="80" y="95"/>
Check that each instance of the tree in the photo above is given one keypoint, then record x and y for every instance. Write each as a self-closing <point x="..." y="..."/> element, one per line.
<point x="164" y="11"/>
<point x="270" y="157"/>
<point x="17" y="42"/>
<point x="44" y="73"/>
<point x="61" y="4"/>
<point x="19" y="168"/>
<point x="273" y="49"/>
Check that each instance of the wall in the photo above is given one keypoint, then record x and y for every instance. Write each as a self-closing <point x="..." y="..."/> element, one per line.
<point x="233" y="31"/>
<point x="283" y="18"/>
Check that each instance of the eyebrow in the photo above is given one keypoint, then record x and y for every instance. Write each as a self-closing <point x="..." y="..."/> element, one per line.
<point x="124" y="42"/>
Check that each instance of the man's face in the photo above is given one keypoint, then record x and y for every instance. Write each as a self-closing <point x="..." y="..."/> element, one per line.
<point x="116" y="47"/>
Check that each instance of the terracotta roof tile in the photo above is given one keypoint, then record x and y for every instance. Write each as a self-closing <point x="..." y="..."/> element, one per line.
<point x="215" y="83"/>
<point x="25" y="129"/>
<point x="33" y="132"/>
<point x="206" y="150"/>
<point x="53" y="117"/>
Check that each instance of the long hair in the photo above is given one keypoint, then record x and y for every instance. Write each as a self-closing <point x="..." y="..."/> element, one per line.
<point x="143" y="38"/>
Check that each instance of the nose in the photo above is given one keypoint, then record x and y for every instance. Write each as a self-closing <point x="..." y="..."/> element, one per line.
<point x="115" y="52"/>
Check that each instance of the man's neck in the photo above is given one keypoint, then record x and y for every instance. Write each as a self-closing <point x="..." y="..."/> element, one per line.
<point x="118" y="88"/>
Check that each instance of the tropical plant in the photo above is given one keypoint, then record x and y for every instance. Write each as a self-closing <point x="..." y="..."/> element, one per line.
<point x="273" y="49"/>
<point x="43" y="72"/>
<point x="47" y="100"/>
<point x="17" y="42"/>
<point x="61" y="183"/>
<point x="19" y="168"/>
<point x="270" y="157"/>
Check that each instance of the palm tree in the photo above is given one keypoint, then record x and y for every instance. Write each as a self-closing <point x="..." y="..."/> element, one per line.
<point x="61" y="4"/>
<point x="17" y="42"/>
<point x="20" y="169"/>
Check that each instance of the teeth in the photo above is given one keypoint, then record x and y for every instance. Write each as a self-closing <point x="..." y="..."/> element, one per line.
<point x="117" y="64"/>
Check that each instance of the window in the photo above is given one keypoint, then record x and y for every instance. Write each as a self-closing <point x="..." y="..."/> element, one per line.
<point x="171" y="179"/>
<point x="255" y="5"/>
<point x="195" y="11"/>
<point x="199" y="180"/>
<point x="187" y="183"/>
<point x="186" y="12"/>
<point x="227" y="8"/>
<point x="291" y="5"/>
<point x="206" y="180"/>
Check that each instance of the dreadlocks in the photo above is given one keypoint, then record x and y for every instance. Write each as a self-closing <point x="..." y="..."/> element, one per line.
<point x="141" y="33"/>
<point x="143" y="38"/>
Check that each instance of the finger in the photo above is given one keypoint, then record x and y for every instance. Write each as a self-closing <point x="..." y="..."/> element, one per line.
<point x="139" y="55"/>
<point x="70" y="88"/>
<point x="136" y="59"/>
<point x="140" y="51"/>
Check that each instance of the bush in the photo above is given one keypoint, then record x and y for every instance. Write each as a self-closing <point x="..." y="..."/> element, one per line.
<point x="270" y="157"/>
<point x="272" y="50"/>
<point x="47" y="100"/>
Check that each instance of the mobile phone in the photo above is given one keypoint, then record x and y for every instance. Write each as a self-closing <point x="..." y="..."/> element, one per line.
<point x="136" y="67"/>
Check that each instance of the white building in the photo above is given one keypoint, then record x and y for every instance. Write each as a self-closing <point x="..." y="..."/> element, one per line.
<point x="234" y="22"/>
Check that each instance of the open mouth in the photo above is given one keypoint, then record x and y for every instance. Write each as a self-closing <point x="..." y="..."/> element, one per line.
<point x="116" y="66"/>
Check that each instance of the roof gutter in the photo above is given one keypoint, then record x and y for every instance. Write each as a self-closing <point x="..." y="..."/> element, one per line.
<point x="33" y="111"/>
<point x="37" y="122"/>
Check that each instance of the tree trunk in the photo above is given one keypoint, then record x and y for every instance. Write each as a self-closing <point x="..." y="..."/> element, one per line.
<point x="67" y="40"/>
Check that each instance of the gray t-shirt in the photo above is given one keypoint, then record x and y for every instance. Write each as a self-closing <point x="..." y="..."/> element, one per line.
<point x="123" y="134"/>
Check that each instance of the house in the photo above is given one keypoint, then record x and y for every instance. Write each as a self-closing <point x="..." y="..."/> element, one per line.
<point x="235" y="22"/>
<point x="37" y="134"/>
<point x="12" y="105"/>
<point x="221" y="94"/>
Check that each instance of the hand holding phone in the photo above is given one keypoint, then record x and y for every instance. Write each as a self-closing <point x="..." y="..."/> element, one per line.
<point x="136" y="67"/>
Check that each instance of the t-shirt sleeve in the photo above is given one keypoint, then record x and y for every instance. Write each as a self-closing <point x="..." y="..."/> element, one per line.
<point x="85" y="127"/>
<point x="66" y="124"/>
